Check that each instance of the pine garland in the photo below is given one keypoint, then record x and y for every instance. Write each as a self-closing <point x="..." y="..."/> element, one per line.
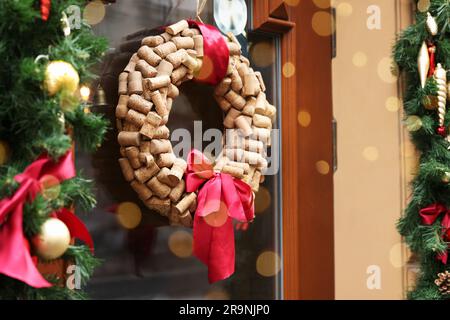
<point x="428" y="186"/>
<point x="30" y="121"/>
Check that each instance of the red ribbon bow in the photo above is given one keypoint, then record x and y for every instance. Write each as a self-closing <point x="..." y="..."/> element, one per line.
<point x="221" y="198"/>
<point x="15" y="258"/>
<point x="429" y="216"/>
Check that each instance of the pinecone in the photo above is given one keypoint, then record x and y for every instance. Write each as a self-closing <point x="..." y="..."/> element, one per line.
<point x="443" y="282"/>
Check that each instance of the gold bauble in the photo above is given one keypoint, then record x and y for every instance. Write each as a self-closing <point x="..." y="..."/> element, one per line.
<point x="61" y="75"/>
<point x="53" y="239"/>
<point x="430" y="102"/>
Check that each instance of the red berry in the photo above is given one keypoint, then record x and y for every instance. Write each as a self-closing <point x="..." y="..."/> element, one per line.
<point x="441" y="131"/>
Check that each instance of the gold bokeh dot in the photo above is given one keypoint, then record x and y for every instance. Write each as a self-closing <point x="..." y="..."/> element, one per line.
<point x="262" y="54"/>
<point x="180" y="244"/>
<point x="322" y="167"/>
<point x="129" y="215"/>
<point x="393" y="104"/>
<point x="359" y="59"/>
<point x="387" y="70"/>
<point x="371" y="153"/>
<point x="423" y="5"/>
<point x="292" y="3"/>
<point x="344" y="9"/>
<point x="217" y="294"/>
<point x="288" y="69"/>
<point x="4" y="152"/>
<point x="395" y="255"/>
<point x="262" y="200"/>
<point x="322" y="23"/>
<point x="322" y="4"/>
<point x="268" y="264"/>
<point x="94" y="12"/>
<point x="50" y="186"/>
<point x="304" y="118"/>
<point x="413" y="123"/>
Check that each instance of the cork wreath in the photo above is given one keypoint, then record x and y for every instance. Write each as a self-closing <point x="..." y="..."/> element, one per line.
<point x="147" y="87"/>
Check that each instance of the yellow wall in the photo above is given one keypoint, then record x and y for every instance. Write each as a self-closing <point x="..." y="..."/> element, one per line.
<point x="375" y="159"/>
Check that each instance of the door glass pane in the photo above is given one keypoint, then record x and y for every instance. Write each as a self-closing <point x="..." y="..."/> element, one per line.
<point x="154" y="260"/>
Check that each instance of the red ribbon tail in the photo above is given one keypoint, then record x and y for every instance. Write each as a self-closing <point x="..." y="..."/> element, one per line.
<point x="45" y="9"/>
<point x="76" y="227"/>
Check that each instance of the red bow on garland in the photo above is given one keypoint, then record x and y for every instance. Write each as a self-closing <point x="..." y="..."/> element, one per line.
<point x="429" y="216"/>
<point x="45" y="9"/>
<point x="15" y="258"/>
<point x="221" y="198"/>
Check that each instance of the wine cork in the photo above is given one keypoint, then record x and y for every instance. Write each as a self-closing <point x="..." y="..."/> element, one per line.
<point x="152" y="41"/>
<point x="251" y="85"/>
<point x="260" y="105"/>
<point x="261" y="134"/>
<point x="123" y="83"/>
<point x="183" y="42"/>
<point x="176" y="58"/>
<point x="177" y="27"/>
<point x="160" y="103"/>
<point x="158" y="188"/>
<point x="244" y="60"/>
<point x="185" y="203"/>
<point x="235" y="99"/>
<point x="165" y="49"/>
<point x="164" y="68"/>
<point x="249" y="108"/>
<point x="193" y="206"/>
<point x="122" y="152"/>
<point x="146" y="69"/>
<point x="126" y="138"/>
<point x="135" y="118"/>
<point x="126" y="168"/>
<point x="173" y="91"/>
<point x="243" y="70"/>
<point x="228" y="121"/>
<point x="149" y="56"/>
<point x="189" y="62"/>
<point x="198" y="45"/>
<point x="244" y="166"/>
<point x="164" y="120"/>
<point x="162" y="176"/>
<point x="186" y="219"/>
<point x="161" y="132"/>
<point x="144" y="147"/>
<point x="223" y="103"/>
<point x="174" y="218"/>
<point x="139" y="104"/>
<point x="190" y="32"/>
<point x="128" y="126"/>
<point x="135" y="83"/>
<point x="147" y="130"/>
<point x="262" y="164"/>
<point x="252" y="158"/>
<point x="130" y="67"/>
<point x="233" y="39"/>
<point x="255" y="181"/>
<point x="234" y="154"/>
<point x="254" y="145"/>
<point x="142" y="190"/>
<point x="271" y="112"/>
<point x="230" y="68"/>
<point x="144" y="174"/>
<point x="177" y="171"/>
<point x="234" y="49"/>
<point x="236" y="81"/>
<point x="146" y="158"/>
<point x="166" y="36"/>
<point x="233" y="171"/>
<point x="178" y="74"/>
<point x="165" y="160"/>
<point x="162" y="206"/>
<point x="122" y="109"/>
<point x="222" y="87"/>
<point x="177" y="191"/>
<point x="169" y="103"/>
<point x="262" y="121"/>
<point x="119" y="125"/>
<point x="242" y="123"/>
<point x="220" y="163"/>
<point x="154" y="119"/>
<point x="157" y="82"/>
<point x="261" y="81"/>
<point x="133" y="156"/>
<point x="158" y="146"/>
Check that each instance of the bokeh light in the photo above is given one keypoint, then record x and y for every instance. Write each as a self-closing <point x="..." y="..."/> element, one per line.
<point x="94" y="12"/>
<point x="288" y="69"/>
<point x="413" y="123"/>
<point x="292" y="3"/>
<point x="387" y="70"/>
<point x="371" y="153"/>
<point x="268" y="264"/>
<point x="395" y="256"/>
<point x="359" y="59"/>
<point x="393" y="104"/>
<point x="322" y="167"/>
<point x="262" y="54"/>
<point x="423" y="5"/>
<point x="322" y="23"/>
<point x="129" y="215"/>
<point x="344" y="9"/>
<point x="304" y="118"/>
<point x="180" y="244"/>
<point x="217" y="294"/>
<point x="262" y="200"/>
<point x="322" y="4"/>
<point x="50" y="186"/>
<point x="85" y="92"/>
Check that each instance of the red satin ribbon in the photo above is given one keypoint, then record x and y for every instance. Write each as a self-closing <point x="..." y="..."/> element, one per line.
<point x="45" y="9"/>
<point x="215" y="54"/>
<point x="429" y="216"/>
<point x="432" y="54"/>
<point x="218" y="193"/>
<point x="15" y="259"/>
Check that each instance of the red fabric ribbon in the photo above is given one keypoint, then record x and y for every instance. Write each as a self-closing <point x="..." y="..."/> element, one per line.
<point x="45" y="9"/>
<point x="221" y="198"/>
<point x="429" y="216"/>
<point x="216" y="54"/>
<point x="15" y="259"/>
<point x="432" y="55"/>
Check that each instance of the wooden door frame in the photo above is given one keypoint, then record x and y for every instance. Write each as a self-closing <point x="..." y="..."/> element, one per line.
<point x="307" y="199"/>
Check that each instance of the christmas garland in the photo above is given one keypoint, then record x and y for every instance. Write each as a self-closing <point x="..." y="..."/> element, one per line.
<point x="191" y="193"/>
<point x="422" y="52"/>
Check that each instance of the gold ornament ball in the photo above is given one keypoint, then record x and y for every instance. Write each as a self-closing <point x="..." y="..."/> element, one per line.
<point x="53" y="240"/>
<point x="61" y="75"/>
<point x="430" y="102"/>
